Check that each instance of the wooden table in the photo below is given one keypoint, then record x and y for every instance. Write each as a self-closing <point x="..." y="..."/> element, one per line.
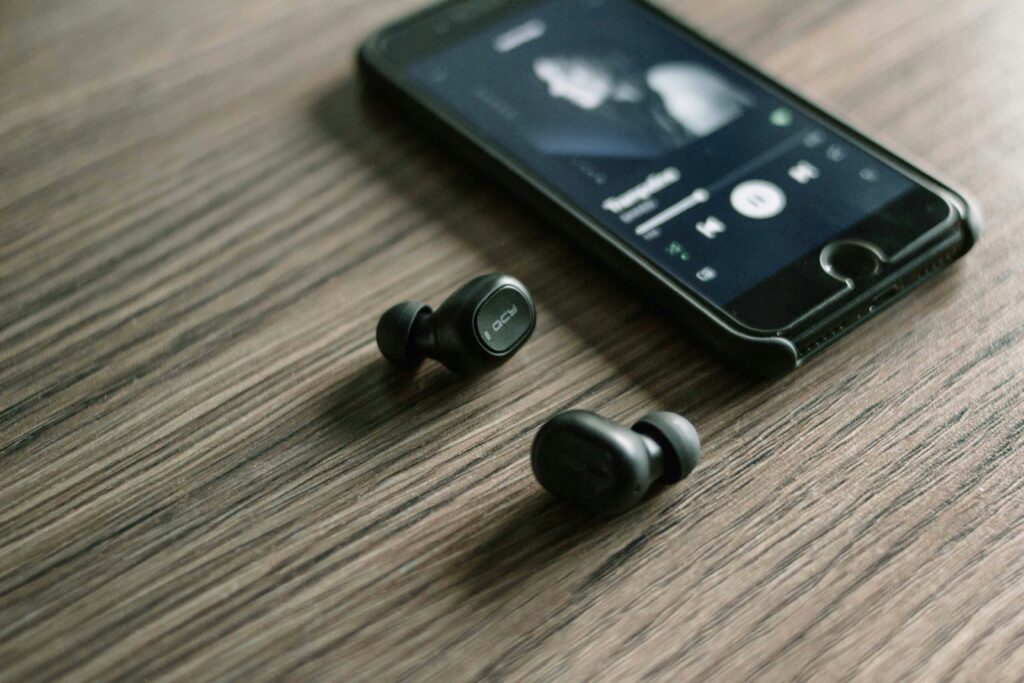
<point x="209" y="474"/>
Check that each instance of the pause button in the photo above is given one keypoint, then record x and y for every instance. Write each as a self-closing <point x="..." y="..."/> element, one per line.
<point x="758" y="199"/>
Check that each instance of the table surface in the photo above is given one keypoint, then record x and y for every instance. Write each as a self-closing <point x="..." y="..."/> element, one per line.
<point x="208" y="473"/>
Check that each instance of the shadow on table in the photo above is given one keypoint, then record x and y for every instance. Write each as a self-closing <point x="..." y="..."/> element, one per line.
<point x="541" y="541"/>
<point x="379" y="396"/>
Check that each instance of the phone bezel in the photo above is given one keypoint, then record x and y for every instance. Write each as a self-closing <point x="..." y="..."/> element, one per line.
<point x="432" y="29"/>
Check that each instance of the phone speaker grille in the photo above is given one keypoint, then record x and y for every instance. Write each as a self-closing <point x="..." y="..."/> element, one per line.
<point x="890" y="295"/>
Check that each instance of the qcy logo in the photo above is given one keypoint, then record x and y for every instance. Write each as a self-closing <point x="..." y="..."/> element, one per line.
<point x="504" y="319"/>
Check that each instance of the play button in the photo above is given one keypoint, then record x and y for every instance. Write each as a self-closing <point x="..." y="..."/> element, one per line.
<point x="758" y="199"/>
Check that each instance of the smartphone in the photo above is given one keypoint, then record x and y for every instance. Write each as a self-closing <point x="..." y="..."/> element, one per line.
<point x="763" y="224"/>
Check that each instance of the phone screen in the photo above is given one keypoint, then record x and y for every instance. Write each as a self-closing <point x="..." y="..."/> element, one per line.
<point x="703" y="168"/>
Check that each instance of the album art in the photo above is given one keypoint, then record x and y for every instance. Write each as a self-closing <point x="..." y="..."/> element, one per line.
<point x="643" y="112"/>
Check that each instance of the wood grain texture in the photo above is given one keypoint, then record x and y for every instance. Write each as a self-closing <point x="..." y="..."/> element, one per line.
<point x="207" y="473"/>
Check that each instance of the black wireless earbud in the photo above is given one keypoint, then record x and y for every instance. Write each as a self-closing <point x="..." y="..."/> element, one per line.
<point x="477" y="328"/>
<point x="588" y="460"/>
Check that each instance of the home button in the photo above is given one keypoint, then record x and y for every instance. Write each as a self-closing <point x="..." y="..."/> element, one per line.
<point x="851" y="260"/>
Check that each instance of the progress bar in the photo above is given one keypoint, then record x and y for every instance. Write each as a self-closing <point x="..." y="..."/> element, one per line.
<point x="697" y="197"/>
<point x="702" y="195"/>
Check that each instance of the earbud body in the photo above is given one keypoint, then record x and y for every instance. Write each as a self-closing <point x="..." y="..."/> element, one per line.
<point x="479" y="327"/>
<point x="593" y="462"/>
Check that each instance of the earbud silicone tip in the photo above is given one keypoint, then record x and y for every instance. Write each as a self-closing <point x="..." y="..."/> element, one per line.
<point x="679" y="443"/>
<point x="395" y="334"/>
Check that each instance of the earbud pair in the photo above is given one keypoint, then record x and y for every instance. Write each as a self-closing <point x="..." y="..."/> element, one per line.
<point x="578" y="456"/>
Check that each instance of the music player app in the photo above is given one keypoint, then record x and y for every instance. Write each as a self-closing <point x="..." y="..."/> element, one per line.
<point x="700" y="167"/>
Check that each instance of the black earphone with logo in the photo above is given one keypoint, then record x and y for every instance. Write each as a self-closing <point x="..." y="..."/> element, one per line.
<point x="477" y="328"/>
<point x="577" y="456"/>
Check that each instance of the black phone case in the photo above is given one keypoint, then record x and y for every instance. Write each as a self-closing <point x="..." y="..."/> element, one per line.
<point x="767" y="356"/>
